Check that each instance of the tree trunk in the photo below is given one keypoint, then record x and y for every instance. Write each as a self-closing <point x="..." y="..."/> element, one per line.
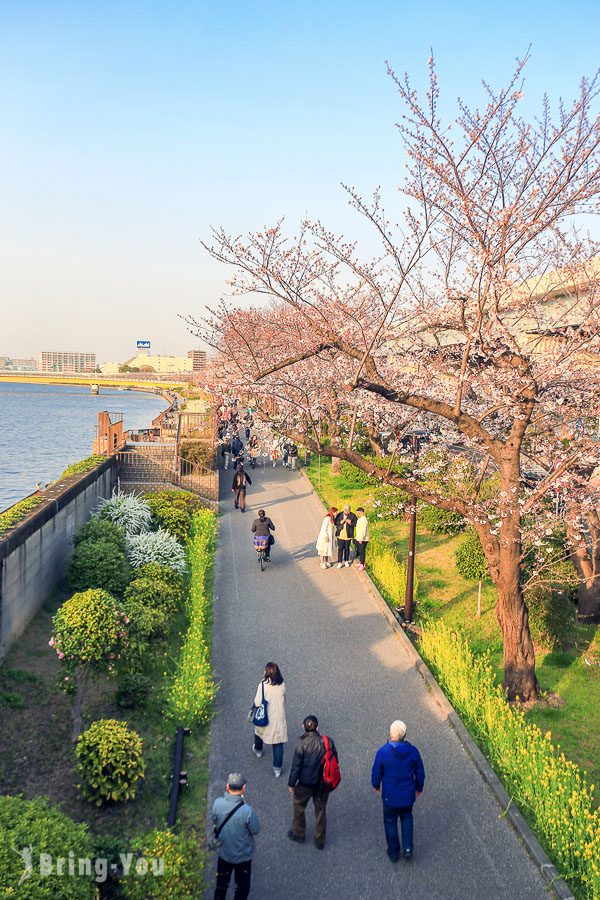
<point x="335" y="465"/>
<point x="586" y="562"/>
<point x="588" y="600"/>
<point x="76" y="709"/>
<point x="519" y="680"/>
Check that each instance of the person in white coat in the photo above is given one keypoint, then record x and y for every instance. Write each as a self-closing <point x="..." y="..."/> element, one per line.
<point x="326" y="538"/>
<point x="275" y="733"/>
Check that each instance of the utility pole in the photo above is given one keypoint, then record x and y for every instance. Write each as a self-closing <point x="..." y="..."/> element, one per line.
<point x="412" y="539"/>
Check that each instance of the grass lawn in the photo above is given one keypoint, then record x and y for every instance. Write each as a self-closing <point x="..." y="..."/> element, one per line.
<point x="445" y="594"/>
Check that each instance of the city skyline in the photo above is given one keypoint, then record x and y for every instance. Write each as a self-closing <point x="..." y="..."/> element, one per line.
<point x="129" y="131"/>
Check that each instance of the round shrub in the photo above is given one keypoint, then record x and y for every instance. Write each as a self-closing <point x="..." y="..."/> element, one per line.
<point x="37" y="826"/>
<point x="129" y="511"/>
<point x="154" y="593"/>
<point x="551" y="617"/>
<point x="157" y="546"/>
<point x="157" y="572"/>
<point x="89" y="629"/>
<point x="109" y="762"/>
<point x="440" y="521"/>
<point x="101" y="530"/>
<point x="183" y="874"/>
<point x="388" y="502"/>
<point x="470" y="558"/>
<point x="99" y="564"/>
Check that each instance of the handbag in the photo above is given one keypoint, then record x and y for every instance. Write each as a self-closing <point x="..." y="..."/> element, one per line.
<point x="216" y="843"/>
<point x="261" y="716"/>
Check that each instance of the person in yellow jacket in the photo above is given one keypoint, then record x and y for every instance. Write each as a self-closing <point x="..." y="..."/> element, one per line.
<point x="361" y="537"/>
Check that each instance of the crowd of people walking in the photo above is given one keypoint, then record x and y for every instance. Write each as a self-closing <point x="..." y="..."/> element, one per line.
<point x="397" y="771"/>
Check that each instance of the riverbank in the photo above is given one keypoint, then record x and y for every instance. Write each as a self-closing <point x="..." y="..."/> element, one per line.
<point x="119" y="381"/>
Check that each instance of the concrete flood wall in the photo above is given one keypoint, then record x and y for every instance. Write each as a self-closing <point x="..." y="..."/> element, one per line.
<point x="33" y="557"/>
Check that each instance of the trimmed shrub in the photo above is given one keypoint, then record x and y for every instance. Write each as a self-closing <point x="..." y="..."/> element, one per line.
<point x="388" y="572"/>
<point x="101" y="530"/>
<point x="388" y="502"/>
<point x="551" y="617"/>
<point x="183" y="874"/>
<point x="109" y="762"/>
<point x="550" y="787"/>
<point x="145" y="623"/>
<point x="129" y="511"/>
<point x="193" y="689"/>
<point x="155" y="594"/>
<point x="156" y="546"/>
<point x="470" y="558"/>
<point x="173" y="511"/>
<point x="88" y="629"/>
<point x="37" y="826"/>
<point x="440" y="521"/>
<point x="157" y="572"/>
<point x="99" y="564"/>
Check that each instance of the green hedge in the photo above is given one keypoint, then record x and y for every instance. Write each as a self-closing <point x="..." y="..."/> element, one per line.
<point x="193" y="689"/>
<point x="13" y="515"/>
<point x="37" y="825"/>
<point x="101" y="530"/>
<point x="550" y="789"/>
<point x="99" y="564"/>
<point x="440" y="521"/>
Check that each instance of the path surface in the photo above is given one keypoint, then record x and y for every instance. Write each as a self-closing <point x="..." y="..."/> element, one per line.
<point x="342" y="662"/>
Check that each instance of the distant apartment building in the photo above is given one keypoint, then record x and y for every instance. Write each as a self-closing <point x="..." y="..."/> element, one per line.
<point x="18" y="364"/>
<point x="65" y="361"/>
<point x="198" y="358"/>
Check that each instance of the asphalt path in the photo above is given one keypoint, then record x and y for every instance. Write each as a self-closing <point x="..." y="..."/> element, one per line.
<point x="342" y="662"/>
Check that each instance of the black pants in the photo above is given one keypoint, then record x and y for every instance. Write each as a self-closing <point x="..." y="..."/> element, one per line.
<point x="343" y="550"/>
<point x="361" y="549"/>
<point x="242" y="870"/>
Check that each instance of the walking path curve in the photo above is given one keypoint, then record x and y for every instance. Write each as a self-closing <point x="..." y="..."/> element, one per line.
<point x="341" y="661"/>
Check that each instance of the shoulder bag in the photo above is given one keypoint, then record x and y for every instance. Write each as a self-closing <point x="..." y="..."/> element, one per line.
<point x="216" y="843"/>
<point x="261" y="716"/>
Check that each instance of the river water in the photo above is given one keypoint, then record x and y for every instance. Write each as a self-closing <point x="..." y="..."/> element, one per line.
<point x="45" y="427"/>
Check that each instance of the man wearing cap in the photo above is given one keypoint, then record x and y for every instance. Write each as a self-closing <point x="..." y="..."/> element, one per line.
<point x="398" y="775"/>
<point x="236" y="836"/>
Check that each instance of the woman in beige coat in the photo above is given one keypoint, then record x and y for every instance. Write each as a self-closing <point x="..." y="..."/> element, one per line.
<point x="275" y="733"/>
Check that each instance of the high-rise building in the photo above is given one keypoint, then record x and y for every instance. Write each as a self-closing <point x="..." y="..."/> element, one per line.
<point x="65" y="361"/>
<point x="198" y="358"/>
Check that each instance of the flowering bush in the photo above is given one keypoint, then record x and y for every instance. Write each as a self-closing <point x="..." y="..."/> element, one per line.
<point x="155" y="594"/>
<point x="156" y="546"/>
<point x="129" y="511"/>
<point x="37" y="825"/>
<point x="99" y="564"/>
<point x="157" y="572"/>
<point x="550" y="788"/>
<point x="183" y="874"/>
<point x="388" y="572"/>
<point x="101" y="530"/>
<point x="173" y="511"/>
<point x="388" y="502"/>
<point x="193" y="689"/>
<point x="110" y="762"/>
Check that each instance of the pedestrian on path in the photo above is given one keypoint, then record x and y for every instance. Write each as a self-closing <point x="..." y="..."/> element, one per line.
<point x="272" y="689"/>
<point x="326" y="537"/>
<point x="237" y="449"/>
<point x="305" y="783"/>
<point x="253" y="449"/>
<point x="240" y="480"/>
<point x="345" y="522"/>
<point x="361" y="537"/>
<point x="226" y="453"/>
<point x="236" y="836"/>
<point x="274" y="456"/>
<point x="285" y="454"/>
<point x="293" y="456"/>
<point x="398" y="774"/>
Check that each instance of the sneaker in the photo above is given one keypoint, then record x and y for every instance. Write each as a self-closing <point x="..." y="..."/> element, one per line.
<point x="360" y="567"/>
<point x="347" y="563"/>
<point x="407" y="854"/>
<point x="339" y="565"/>
<point x="328" y="565"/>
<point x="295" y="838"/>
<point x="267" y="559"/>
<point x="257" y="753"/>
<point x="394" y="857"/>
<point x="276" y="772"/>
<point x="320" y="845"/>
<point x="323" y="565"/>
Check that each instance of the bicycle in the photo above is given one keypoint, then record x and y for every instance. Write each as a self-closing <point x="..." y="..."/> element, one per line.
<point x="261" y="544"/>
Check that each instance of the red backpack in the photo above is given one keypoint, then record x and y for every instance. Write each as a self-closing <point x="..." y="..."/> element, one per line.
<point x="331" y="769"/>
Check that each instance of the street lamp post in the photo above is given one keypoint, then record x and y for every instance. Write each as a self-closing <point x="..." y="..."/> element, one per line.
<point x="412" y="539"/>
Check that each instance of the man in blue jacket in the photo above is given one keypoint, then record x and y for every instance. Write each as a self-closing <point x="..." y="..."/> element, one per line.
<point x="237" y="837"/>
<point x="399" y="776"/>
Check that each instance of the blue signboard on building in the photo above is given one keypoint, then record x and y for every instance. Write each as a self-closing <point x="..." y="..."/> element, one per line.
<point x="143" y="345"/>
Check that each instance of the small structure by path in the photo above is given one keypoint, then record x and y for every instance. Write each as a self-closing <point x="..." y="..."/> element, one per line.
<point x="342" y="662"/>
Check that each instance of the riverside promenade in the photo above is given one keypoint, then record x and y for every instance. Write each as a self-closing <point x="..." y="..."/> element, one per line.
<point x="342" y="662"/>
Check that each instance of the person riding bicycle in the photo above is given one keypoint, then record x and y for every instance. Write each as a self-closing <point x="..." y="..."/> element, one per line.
<point x="262" y="527"/>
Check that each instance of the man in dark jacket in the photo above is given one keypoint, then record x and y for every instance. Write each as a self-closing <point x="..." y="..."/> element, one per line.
<point x="240" y="480"/>
<point x="306" y="775"/>
<point x="345" y="523"/>
<point x="262" y="527"/>
<point x="399" y="776"/>
<point x="237" y="449"/>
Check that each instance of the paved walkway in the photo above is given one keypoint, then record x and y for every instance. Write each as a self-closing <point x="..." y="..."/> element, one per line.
<point x="341" y="661"/>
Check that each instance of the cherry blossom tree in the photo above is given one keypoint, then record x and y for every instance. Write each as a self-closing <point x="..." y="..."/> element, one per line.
<point x="477" y="320"/>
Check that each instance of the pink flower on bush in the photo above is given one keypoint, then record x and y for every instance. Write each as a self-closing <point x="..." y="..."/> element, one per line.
<point x="61" y="655"/>
<point x="51" y="642"/>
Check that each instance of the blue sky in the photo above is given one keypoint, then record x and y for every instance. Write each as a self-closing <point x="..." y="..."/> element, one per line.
<point x="127" y="129"/>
